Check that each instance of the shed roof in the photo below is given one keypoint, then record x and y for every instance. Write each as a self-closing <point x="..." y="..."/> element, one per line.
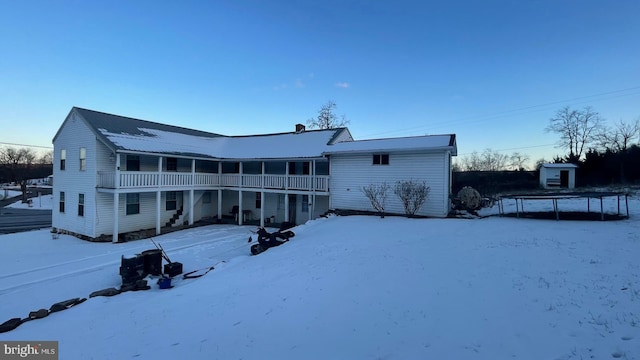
<point x="560" y="166"/>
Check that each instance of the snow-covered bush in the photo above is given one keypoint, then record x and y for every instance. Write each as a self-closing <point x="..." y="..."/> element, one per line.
<point x="469" y="199"/>
<point x="377" y="194"/>
<point x="412" y="194"/>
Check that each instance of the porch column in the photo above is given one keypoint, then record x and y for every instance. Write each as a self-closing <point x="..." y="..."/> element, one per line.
<point x="240" y="170"/>
<point x="219" y="191"/>
<point x="262" y="208"/>
<point x="158" y="198"/>
<point x="262" y="195"/>
<point x="191" y="197"/>
<point x="286" y="206"/>
<point x="286" y="193"/>
<point x="116" y="202"/>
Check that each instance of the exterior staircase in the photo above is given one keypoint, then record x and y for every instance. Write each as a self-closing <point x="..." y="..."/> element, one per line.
<point x="177" y="219"/>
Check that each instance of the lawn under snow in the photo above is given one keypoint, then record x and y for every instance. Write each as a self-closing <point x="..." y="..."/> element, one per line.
<point x="345" y="288"/>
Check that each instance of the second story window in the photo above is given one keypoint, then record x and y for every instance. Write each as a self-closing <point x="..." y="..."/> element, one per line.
<point x="380" y="159"/>
<point x="83" y="159"/>
<point x="63" y="159"/>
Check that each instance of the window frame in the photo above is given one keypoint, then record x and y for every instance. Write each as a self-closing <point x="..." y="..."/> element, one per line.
<point x="63" y="159"/>
<point x="380" y="159"/>
<point x="171" y="201"/>
<point x="132" y="204"/>
<point x="83" y="158"/>
<point x="81" y="204"/>
<point x="61" y="201"/>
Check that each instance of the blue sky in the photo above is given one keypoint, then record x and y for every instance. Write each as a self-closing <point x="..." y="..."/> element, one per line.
<point x="492" y="72"/>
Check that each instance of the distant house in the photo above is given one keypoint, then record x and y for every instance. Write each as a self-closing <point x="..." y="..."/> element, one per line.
<point x="116" y="175"/>
<point x="554" y="176"/>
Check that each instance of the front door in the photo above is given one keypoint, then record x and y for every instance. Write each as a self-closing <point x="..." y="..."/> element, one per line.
<point x="564" y="178"/>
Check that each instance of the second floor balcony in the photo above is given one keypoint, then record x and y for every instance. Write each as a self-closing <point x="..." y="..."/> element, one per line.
<point x="152" y="179"/>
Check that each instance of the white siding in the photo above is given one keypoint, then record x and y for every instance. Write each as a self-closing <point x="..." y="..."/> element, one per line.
<point x="72" y="181"/>
<point x="349" y="173"/>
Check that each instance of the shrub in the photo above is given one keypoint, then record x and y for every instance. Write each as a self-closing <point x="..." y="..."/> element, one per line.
<point x="377" y="194"/>
<point x="413" y="194"/>
<point x="469" y="199"/>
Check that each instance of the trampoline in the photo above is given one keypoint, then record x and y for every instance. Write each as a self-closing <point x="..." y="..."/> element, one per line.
<point x="555" y="196"/>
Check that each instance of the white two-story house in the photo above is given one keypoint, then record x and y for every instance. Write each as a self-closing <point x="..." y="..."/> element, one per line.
<point x="114" y="175"/>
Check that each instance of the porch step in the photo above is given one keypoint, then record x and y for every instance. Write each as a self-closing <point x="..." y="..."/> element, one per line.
<point x="175" y="219"/>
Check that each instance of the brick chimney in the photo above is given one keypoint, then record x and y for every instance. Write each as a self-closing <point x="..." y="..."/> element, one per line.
<point x="299" y="128"/>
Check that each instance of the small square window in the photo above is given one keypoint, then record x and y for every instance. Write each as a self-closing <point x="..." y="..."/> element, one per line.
<point x="380" y="159"/>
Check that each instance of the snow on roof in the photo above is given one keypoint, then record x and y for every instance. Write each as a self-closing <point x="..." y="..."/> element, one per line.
<point x="133" y="135"/>
<point x="560" y="166"/>
<point x="427" y="142"/>
<point x="287" y="145"/>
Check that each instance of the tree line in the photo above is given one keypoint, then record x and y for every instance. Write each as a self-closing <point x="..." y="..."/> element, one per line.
<point x="605" y="152"/>
<point x="17" y="165"/>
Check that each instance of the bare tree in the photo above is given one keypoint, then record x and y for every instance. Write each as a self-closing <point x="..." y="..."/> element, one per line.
<point x="489" y="160"/>
<point x="619" y="137"/>
<point x="327" y="119"/>
<point x="577" y="129"/>
<point x="377" y="194"/>
<point x="518" y="161"/>
<point x="46" y="158"/>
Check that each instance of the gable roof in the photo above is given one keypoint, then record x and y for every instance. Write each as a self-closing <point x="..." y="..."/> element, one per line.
<point x="125" y="134"/>
<point x="413" y="143"/>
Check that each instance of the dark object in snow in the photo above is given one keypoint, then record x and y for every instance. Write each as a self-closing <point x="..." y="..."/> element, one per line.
<point x="173" y="269"/>
<point x="199" y="273"/>
<point x="268" y="240"/>
<point x="164" y="283"/>
<point x="10" y="324"/>
<point x="152" y="260"/>
<point x="38" y="314"/>
<point x="131" y="270"/>
<point x="64" y="305"/>
<point x="105" y="292"/>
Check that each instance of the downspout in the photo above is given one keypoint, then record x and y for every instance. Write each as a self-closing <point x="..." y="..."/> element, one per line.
<point x="116" y="199"/>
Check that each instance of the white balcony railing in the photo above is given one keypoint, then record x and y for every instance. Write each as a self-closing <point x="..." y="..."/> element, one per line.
<point x="145" y="179"/>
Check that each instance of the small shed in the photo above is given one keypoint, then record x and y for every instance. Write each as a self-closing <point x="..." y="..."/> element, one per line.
<point x="554" y="176"/>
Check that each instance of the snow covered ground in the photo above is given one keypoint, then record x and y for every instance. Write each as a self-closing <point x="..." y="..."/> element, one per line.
<point x="42" y="202"/>
<point x="345" y="288"/>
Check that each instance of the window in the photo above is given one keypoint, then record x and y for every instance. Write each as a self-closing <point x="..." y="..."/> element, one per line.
<point x="172" y="200"/>
<point x="83" y="159"/>
<point x="80" y="204"/>
<point x="133" y="203"/>
<point x="206" y="197"/>
<point x="172" y="164"/>
<point x="305" y="203"/>
<point x="380" y="159"/>
<point x="258" y="200"/>
<point x="133" y="163"/>
<point x="61" y="201"/>
<point x="63" y="159"/>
